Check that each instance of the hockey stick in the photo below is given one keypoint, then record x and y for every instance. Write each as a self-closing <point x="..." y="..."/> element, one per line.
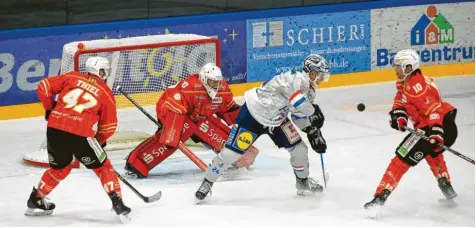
<point x="147" y="199"/>
<point x="324" y="175"/>
<point x="442" y="146"/>
<point x="181" y="145"/>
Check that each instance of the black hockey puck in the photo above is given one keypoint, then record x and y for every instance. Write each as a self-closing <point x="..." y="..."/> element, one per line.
<point x="361" y="107"/>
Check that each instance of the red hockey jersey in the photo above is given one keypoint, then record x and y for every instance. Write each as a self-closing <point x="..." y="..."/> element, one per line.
<point x="189" y="97"/>
<point x="83" y="100"/>
<point x="420" y="97"/>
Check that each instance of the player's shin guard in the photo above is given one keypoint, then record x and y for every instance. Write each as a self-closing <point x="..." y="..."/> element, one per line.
<point x="108" y="178"/>
<point x="440" y="171"/>
<point x="438" y="167"/>
<point x="50" y="179"/>
<point x="392" y="175"/>
<point x="220" y="164"/>
<point x="299" y="160"/>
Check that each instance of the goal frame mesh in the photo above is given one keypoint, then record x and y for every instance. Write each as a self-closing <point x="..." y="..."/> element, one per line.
<point x="40" y="157"/>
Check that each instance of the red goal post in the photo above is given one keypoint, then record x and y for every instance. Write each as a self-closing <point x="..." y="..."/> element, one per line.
<point x="143" y="66"/>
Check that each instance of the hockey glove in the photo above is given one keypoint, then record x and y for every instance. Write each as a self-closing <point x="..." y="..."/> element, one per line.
<point x="317" y="119"/>
<point x="398" y="119"/>
<point x="48" y="111"/>
<point x="317" y="141"/>
<point x="436" y="138"/>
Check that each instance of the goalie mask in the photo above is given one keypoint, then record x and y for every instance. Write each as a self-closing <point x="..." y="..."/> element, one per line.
<point x="317" y="68"/>
<point x="98" y="66"/>
<point x="211" y="78"/>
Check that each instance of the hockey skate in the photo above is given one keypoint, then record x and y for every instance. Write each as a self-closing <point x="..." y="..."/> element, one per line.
<point x="119" y="207"/>
<point x="307" y="186"/>
<point x="38" y="206"/>
<point x="204" y="189"/>
<point x="446" y="188"/>
<point x="131" y="172"/>
<point x="379" y="200"/>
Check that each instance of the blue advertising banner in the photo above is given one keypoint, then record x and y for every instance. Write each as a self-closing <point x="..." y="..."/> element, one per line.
<point x="276" y="45"/>
<point x="24" y="62"/>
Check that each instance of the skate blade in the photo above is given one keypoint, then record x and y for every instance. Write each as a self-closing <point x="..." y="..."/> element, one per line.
<point x="305" y="193"/>
<point x="198" y="201"/>
<point x="374" y="211"/>
<point x="125" y="218"/>
<point x="37" y="212"/>
<point x="450" y="195"/>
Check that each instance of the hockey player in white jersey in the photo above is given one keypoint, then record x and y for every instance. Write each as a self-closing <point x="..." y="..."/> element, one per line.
<point x="265" y="111"/>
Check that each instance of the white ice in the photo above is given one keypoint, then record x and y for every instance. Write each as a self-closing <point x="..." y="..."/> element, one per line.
<point x="360" y="146"/>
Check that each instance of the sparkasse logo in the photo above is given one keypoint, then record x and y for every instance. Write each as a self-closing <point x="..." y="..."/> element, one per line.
<point x="432" y="28"/>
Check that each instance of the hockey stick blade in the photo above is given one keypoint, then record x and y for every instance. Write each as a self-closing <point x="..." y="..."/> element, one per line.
<point x="146" y="199"/>
<point x="154" y="197"/>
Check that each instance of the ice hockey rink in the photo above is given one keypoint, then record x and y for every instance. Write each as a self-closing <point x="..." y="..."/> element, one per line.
<point x="360" y="146"/>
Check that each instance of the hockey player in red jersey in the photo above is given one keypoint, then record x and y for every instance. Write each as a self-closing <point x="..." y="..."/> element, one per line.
<point x="83" y="100"/>
<point x="418" y="98"/>
<point x="186" y="110"/>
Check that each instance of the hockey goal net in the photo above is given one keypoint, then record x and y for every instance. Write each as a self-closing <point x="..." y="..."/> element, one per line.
<point x="143" y="67"/>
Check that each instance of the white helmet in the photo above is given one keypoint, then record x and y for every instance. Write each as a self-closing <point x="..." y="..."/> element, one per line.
<point x="94" y="66"/>
<point x="211" y="76"/>
<point x="407" y="57"/>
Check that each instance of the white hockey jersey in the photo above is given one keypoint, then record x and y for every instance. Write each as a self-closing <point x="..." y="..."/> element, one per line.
<point x="288" y="92"/>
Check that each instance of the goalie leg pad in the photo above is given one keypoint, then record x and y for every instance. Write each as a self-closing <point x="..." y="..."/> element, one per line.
<point x="108" y="178"/>
<point x="392" y="175"/>
<point x="220" y="163"/>
<point x="299" y="160"/>
<point x="212" y="132"/>
<point x="438" y="166"/>
<point x="51" y="178"/>
<point x="171" y="129"/>
<point x="151" y="152"/>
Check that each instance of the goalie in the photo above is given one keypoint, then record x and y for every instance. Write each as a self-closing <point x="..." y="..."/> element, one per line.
<point x="187" y="110"/>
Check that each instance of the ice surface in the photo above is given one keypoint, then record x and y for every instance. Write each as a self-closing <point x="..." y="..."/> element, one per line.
<point x="360" y="146"/>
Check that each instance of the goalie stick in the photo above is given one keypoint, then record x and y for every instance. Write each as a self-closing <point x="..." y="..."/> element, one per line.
<point x="442" y="146"/>
<point x="147" y="199"/>
<point x="181" y="145"/>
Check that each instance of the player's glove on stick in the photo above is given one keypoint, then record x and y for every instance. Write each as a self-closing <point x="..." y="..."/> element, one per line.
<point x="317" y="141"/>
<point x="436" y="138"/>
<point x="48" y="111"/>
<point x="317" y="118"/>
<point x="398" y="119"/>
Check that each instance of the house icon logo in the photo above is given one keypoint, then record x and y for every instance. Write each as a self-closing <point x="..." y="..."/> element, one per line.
<point x="432" y="28"/>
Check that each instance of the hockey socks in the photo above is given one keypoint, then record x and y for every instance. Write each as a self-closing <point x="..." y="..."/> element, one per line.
<point x="108" y="178"/>
<point x="438" y="167"/>
<point x="50" y="179"/>
<point x="392" y="175"/>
